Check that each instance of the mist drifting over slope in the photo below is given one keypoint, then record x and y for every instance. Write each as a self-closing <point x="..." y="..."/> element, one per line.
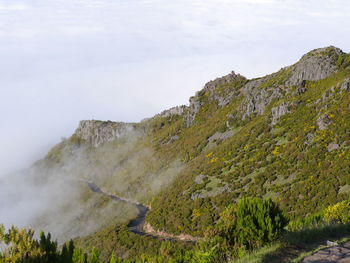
<point x="53" y="194"/>
<point x="124" y="61"/>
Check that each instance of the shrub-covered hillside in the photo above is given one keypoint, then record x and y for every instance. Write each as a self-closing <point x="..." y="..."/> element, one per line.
<point x="285" y="136"/>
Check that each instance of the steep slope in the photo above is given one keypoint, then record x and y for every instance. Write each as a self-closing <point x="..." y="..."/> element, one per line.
<point x="284" y="136"/>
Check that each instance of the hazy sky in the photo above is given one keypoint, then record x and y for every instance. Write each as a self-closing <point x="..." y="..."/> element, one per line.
<point x="66" y="60"/>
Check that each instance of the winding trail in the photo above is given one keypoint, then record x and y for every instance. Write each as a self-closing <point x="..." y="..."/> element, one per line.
<point x="138" y="225"/>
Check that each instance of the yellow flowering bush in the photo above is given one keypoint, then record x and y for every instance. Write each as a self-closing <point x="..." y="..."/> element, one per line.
<point x="340" y="213"/>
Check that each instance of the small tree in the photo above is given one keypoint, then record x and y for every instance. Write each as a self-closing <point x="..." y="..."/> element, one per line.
<point x="258" y="221"/>
<point x="252" y="222"/>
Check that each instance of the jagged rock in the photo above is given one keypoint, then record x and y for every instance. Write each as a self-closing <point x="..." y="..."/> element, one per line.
<point x="211" y="85"/>
<point x="257" y="99"/>
<point x="345" y="86"/>
<point x="172" y="139"/>
<point x="333" y="146"/>
<point x="219" y="137"/>
<point x="225" y="96"/>
<point x="323" y="122"/>
<point x="98" y="132"/>
<point x="309" y="138"/>
<point x="302" y="87"/>
<point x="175" y="111"/>
<point x="315" y="65"/>
<point x="199" y="179"/>
<point x="193" y="109"/>
<point x="279" y="111"/>
<point x="210" y="89"/>
<point x="230" y="120"/>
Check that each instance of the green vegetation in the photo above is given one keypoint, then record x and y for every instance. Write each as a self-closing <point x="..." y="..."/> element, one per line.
<point x="303" y="177"/>
<point x="257" y="222"/>
<point x="339" y="213"/>
<point x="237" y="193"/>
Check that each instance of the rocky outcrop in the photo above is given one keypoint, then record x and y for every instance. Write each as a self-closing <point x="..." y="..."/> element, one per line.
<point x="175" y="111"/>
<point x="200" y="178"/>
<point x="223" y="97"/>
<point x="171" y="139"/>
<point x="98" y="132"/>
<point x="315" y="65"/>
<point x="333" y="147"/>
<point x="256" y="99"/>
<point x="193" y="109"/>
<point x="278" y="111"/>
<point x="323" y="122"/>
<point x="219" y="137"/>
<point x="345" y="86"/>
<point x="213" y="84"/>
<point x="310" y="137"/>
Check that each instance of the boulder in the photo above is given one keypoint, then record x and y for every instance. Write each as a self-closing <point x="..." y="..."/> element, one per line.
<point x="323" y="122"/>
<point x="333" y="146"/>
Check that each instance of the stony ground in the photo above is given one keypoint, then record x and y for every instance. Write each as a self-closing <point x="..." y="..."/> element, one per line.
<point x="336" y="254"/>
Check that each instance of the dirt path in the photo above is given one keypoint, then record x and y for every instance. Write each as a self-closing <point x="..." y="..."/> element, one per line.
<point x="336" y="254"/>
<point x="138" y="225"/>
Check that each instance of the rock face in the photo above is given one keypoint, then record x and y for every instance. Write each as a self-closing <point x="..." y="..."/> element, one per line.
<point x="98" y="132"/>
<point x="211" y="90"/>
<point x="200" y="178"/>
<point x="345" y="86"/>
<point x="223" y="97"/>
<point x="323" y="122"/>
<point x="333" y="146"/>
<point x="219" y="137"/>
<point x="175" y="111"/>
<point x="279" y="111"/>
<point x="315" y="65"/>
<point x="213" y="84"/>
<point x="193" y="109"/>
<point x="257" y="99"/>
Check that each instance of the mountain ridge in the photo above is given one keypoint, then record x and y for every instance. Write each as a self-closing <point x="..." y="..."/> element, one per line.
<point x="283" y="136"/>
<point x="314" y="65"/>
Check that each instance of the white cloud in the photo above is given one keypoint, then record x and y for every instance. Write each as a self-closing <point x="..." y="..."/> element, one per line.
<point x="65" y="60"/>
<point x="13" y="7"/>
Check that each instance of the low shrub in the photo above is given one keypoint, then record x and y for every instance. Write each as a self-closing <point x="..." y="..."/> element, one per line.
<point x="338" y="213"/>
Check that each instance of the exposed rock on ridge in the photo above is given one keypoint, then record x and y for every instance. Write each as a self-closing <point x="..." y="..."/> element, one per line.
<point x="210" y="89"/>
<point x="175" y="111"/>
<point x="98" y="132"/>
<point x="257" y="99"/>
<point x="258" y="93"/>
<point x="315" y="65"/>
